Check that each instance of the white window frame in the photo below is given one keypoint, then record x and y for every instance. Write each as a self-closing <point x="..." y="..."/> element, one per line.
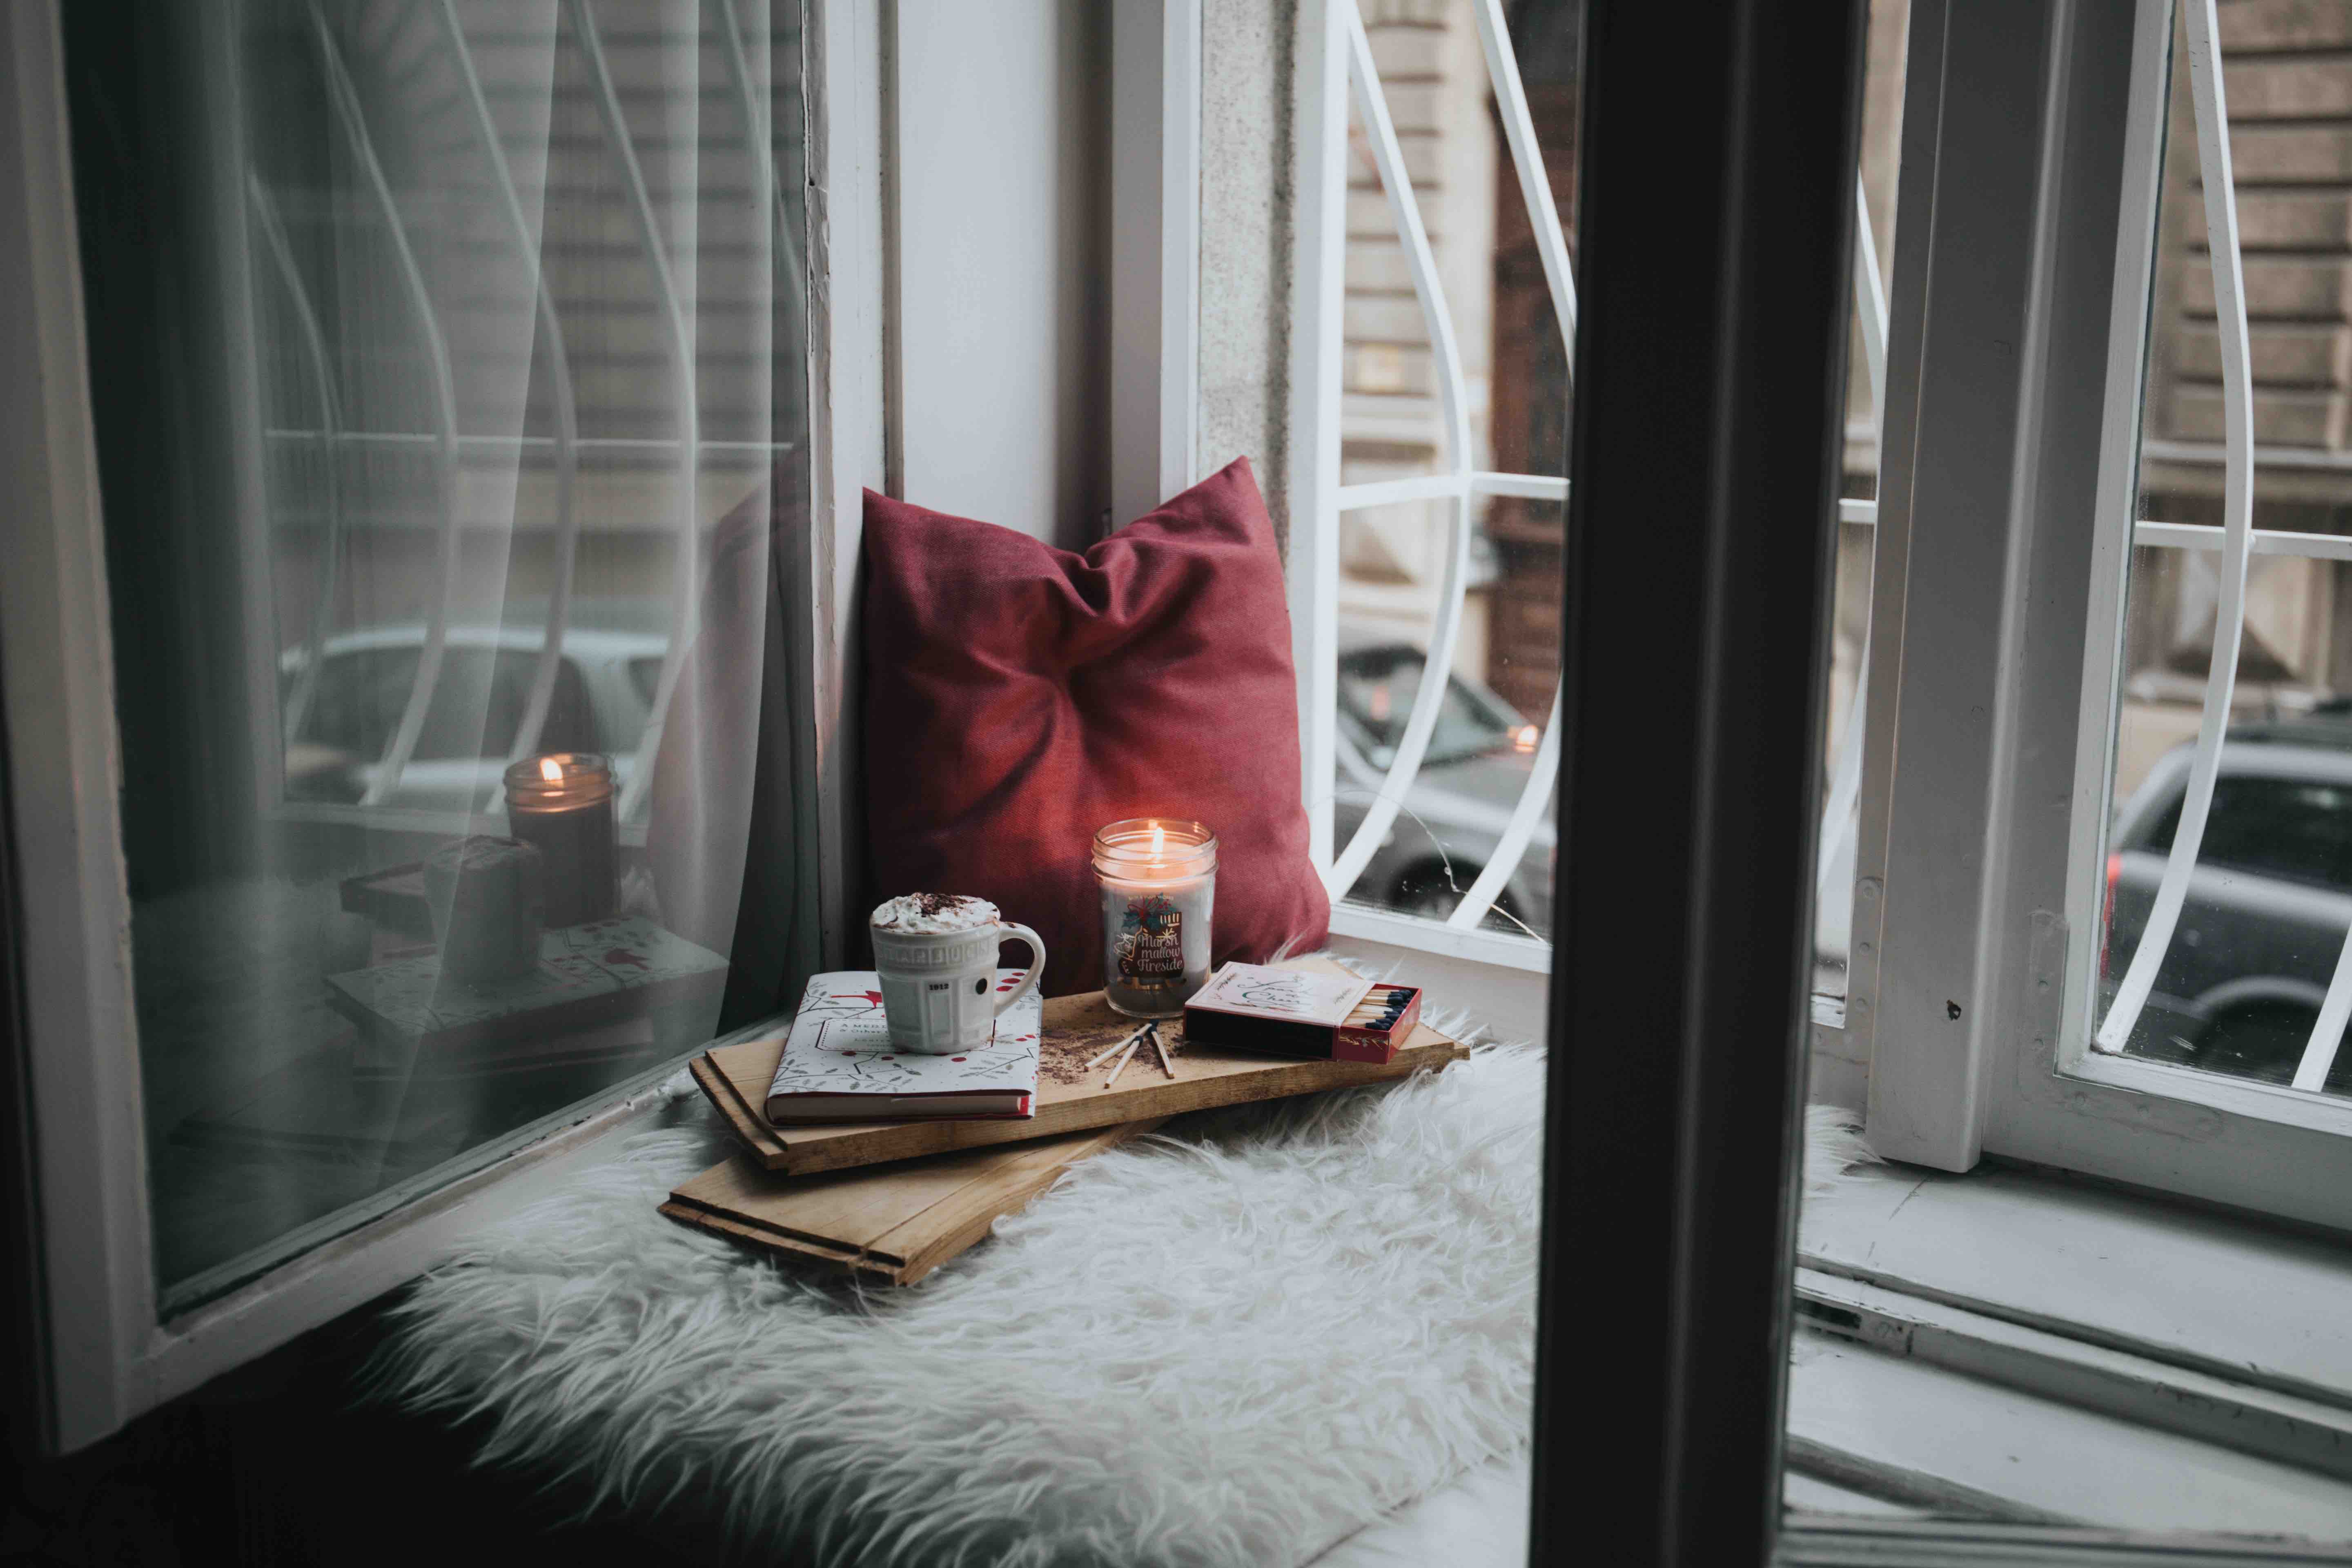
<point x="1338" y="71"/>
<point x="2006" y="516"/>
<point x="110" y="1355"/>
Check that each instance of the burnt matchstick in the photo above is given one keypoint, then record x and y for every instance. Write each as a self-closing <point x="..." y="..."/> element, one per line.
<point x="1119" y="1066"/>
<point x="1160" y="1046"/>
<point x="1124" y="1040"/>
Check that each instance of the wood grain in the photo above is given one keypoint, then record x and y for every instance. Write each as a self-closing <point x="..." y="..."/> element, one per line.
<point x="890" y="1226"/>
<point x="736" y="1079"/>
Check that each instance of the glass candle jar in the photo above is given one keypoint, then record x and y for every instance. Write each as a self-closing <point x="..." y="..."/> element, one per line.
<point x="1159" y="881"/>
<point x="561" y="805"/>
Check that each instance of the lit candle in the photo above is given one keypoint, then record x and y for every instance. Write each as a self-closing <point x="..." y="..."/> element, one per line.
<point x="562" y="804"/>
<point x="1159" y="881"/>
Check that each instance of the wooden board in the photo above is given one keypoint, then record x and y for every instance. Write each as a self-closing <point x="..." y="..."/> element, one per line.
<point x="890" y="1226"/>
<point x="736" y="1078"/>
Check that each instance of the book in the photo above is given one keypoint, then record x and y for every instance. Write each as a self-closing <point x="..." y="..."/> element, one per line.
<point x="586" y="975"/>
<point x="392" y="898"/>
<point x="890" y="1225"/>
<point x="1071" y="1096"/>
<point x="839" y="1064"/>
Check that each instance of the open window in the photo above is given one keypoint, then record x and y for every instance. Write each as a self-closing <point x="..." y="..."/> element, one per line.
<point x="462" y="410"/>
<point x="2100" y="854"/>
<point x="1435" y="321"/>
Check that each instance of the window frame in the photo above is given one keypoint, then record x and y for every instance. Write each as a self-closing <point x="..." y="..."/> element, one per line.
<point x="1716" y="222"/>
<point x="2032" y="149"/>
<point x="108" y="1354"/>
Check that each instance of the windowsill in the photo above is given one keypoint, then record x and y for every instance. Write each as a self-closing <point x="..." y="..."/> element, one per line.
<point x="1417" y="935"/>
<point x="2196" y="1287"/>
<point x="1509" y="998"/>
<point x="2146" y="1329"/>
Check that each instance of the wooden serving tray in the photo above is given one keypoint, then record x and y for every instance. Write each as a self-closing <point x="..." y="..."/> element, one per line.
<point x="890" y="1226"/>
<point x="737" y="1077"/>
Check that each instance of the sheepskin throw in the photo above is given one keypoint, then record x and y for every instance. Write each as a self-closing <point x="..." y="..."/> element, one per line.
<point x="1236" y="1345"/>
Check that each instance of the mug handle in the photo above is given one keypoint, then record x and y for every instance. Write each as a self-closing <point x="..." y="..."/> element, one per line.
<point x="1036" y="966"/>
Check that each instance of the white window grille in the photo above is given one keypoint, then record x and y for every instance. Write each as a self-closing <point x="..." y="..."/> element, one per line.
<point x="1349" y="74"/>
<point x="2237" y="540"/>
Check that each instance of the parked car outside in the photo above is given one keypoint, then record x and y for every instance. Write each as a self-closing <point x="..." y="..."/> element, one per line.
<point x="1480" y="756"/>
<point x="2268" y="903"/>
<point x="604" y="693"/>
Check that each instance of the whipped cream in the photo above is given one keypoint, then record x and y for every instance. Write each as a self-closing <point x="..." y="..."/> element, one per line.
<point x="931" y="912"/>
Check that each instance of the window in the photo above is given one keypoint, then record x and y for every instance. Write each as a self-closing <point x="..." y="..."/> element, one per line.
<point x="2103" y="855"/>
<point x="1430" y="516"/>
<point x="446" y="375"/>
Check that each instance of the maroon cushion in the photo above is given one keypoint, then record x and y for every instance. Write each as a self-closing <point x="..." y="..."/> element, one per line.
<point x="1019" y="697"/>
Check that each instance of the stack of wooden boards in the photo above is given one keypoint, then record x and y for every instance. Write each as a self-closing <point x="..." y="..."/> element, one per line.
<point x="814" y="1193"/>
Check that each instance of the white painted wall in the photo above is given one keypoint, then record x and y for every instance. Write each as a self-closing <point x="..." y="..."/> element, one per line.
<point x="1001" y="122"/>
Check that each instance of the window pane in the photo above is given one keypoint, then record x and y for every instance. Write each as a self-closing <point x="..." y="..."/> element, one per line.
<point x="440" y="356"/>
<point x="1395" y="550"/>
<point x="2239" y="981"/>
<point x="1394" y="557"/>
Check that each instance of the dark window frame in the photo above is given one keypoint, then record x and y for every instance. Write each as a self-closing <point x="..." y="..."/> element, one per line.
<point x="1714" y="234"/>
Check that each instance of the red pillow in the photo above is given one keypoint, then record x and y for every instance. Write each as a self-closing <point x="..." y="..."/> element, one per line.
<point x="1019" y="697"/>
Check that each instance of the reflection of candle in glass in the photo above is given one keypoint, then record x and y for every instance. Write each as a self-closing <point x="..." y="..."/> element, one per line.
<point x="1159" y="882"/>
<point x="563" y="806"/>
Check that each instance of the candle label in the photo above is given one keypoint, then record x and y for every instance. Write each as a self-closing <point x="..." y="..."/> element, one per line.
<point x="1151" y="943"/>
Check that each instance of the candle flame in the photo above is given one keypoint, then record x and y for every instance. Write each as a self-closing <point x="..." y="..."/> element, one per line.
<point x="551" y="769"/>
<point x="1158" y="841"/>
<point x="1527" y="738"/>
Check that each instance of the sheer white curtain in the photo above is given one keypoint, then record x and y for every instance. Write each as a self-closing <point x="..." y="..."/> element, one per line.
<point x="498" y="453"/>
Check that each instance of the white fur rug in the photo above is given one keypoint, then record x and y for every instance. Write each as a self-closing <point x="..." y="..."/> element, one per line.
<point x="1236" y="1346"/>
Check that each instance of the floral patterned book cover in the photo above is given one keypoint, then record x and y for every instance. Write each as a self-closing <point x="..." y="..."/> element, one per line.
<point x="584" y="972"/>
<point x="839" y="1065"/>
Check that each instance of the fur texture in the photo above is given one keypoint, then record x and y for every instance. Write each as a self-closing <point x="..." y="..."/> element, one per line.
<point x="1232" y="1346"/>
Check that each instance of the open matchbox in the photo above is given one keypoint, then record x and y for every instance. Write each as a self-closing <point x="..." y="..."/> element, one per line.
<point x="1289" y="1012"/>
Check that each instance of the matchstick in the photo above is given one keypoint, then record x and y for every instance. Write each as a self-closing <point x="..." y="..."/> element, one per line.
<point x="1160" y="1046"/>
<point x="1119" y="1066"/>
<point x="1113" y="1051"/>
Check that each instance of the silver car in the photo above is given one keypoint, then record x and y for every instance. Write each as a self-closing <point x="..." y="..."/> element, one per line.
<point x="2259" y="935"/>
<point x="604" y="691"/>
<point x="1480" y="756"/>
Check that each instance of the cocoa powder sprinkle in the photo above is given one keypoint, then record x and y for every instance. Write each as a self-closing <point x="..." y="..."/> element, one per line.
<point x="930" y="904"/>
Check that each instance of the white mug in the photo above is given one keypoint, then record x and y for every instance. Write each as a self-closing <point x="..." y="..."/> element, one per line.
<point x="938" y="987"/>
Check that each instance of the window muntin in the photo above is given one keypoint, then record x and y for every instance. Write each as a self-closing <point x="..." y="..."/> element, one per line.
<point x="503" y="332"/>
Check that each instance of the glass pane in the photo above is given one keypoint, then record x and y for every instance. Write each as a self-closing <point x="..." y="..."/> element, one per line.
<point x="2238" y="988"/>
<point x="1514" y="362"/>
<point x="472" y="351"/>
<point x="1393" y="556"/>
